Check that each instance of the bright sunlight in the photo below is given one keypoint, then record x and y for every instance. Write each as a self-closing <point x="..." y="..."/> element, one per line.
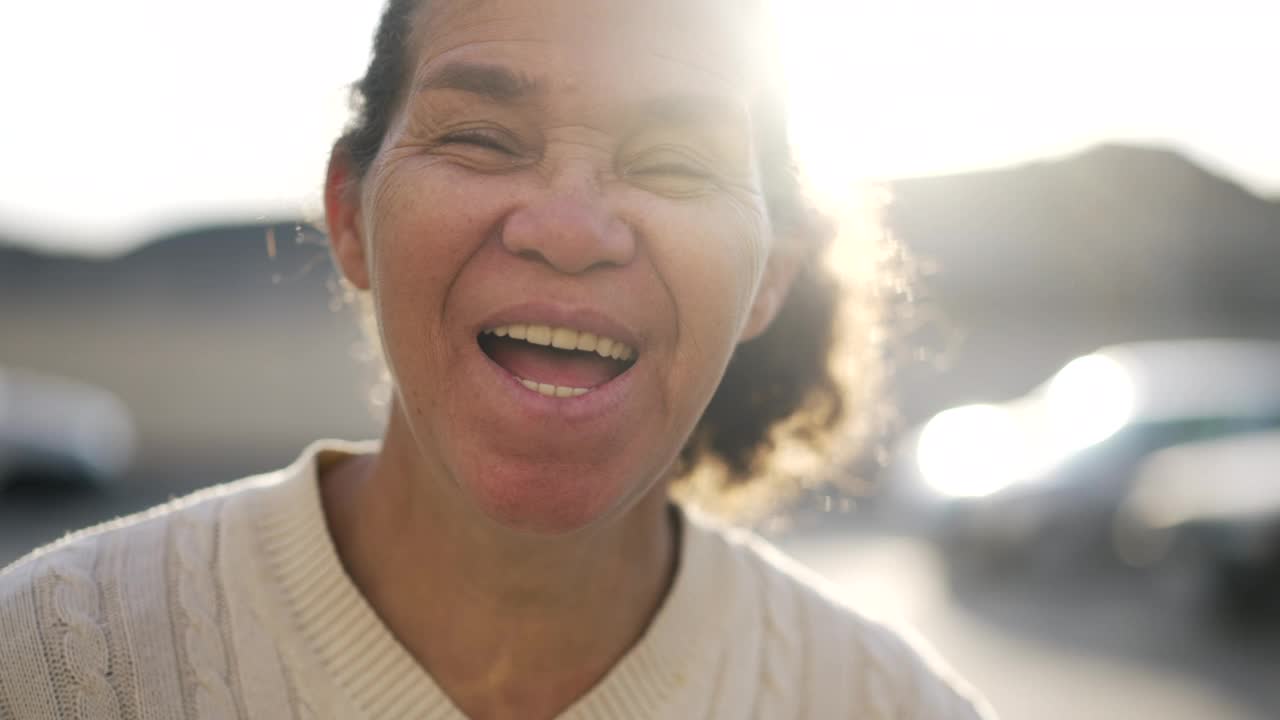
<point x="108" y="114"/>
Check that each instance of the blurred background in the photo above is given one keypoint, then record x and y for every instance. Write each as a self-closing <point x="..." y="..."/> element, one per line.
<point x="1080" y="502"/>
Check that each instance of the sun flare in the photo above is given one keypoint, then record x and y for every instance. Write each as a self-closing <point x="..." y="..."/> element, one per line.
<point x="885" y="90"/>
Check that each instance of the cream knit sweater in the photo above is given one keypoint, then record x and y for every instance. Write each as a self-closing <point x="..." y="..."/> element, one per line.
<point x="232" y="603"/>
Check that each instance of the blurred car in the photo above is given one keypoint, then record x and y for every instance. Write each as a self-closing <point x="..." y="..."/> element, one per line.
<point x="1034" y="483"/>
<point x="58" y="433"/>
<point x="1210" y="511"/>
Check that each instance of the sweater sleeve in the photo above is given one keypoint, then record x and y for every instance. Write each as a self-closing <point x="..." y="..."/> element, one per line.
<point x="822" y="658"/>
<point x="27" y="689"/>
<point x="64" y="651"/>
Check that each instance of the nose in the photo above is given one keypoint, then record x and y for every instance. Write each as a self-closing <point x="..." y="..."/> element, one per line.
<point x="571" y="228"/>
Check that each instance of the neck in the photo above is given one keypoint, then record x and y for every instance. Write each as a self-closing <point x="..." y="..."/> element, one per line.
<point x="507" y="623"/>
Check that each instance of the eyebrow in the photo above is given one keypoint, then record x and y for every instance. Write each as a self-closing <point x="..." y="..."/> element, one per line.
<point x="494" y="82"/>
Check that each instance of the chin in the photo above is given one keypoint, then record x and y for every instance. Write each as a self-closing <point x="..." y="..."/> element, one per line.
<point x="556" y="500"/>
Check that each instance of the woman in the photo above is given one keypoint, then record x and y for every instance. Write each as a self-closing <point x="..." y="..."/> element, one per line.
<point x="566" y="217"/>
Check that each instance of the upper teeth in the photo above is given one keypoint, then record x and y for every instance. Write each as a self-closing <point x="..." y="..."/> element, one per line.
<point x="565" y="339"/>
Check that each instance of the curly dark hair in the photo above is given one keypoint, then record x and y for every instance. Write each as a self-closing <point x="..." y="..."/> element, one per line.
<point x="779" y="388"/>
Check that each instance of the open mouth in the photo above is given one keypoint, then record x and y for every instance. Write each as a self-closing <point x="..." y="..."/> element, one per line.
<point x="556" y="361"/>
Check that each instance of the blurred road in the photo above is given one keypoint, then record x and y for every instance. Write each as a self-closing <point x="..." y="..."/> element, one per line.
<point x="1103" y="650"/>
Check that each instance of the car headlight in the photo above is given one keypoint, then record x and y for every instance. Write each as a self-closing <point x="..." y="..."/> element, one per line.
<point x="972" y="451"/>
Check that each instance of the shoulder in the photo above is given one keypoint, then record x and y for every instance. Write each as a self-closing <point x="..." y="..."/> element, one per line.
<point x="139" y="530"/>
<point x="90" y="621"/>
<point x="839" y="659"/>
<point x="179" y="611"/>
<point x="118" y="553"/>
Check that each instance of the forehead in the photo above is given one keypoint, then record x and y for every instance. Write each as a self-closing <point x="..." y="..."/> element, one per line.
<point x="630" y="46"/>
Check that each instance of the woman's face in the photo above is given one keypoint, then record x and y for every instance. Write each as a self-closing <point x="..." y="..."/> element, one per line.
<point x="569" y="172"/>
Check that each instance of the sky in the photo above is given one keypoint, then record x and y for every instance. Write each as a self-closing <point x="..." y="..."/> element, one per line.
<point x="131" y="118"/>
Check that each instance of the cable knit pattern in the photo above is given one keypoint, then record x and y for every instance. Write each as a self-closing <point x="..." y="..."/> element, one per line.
<point x="783" y="663"/>
<point x="301" y="707"/>
<point x="83" y="642"/>
<point x="197" y="599"/>
<point x="877" y="686"/>
<point x="233" y="603"/>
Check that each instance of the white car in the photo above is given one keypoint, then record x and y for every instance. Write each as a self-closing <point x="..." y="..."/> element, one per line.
<point x="55" y="430"/>
<point x="1211" y="508"/>
<point x="1033" y="483"/>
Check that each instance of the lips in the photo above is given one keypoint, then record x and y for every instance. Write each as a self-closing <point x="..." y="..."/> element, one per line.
<point x="556" y="361"/>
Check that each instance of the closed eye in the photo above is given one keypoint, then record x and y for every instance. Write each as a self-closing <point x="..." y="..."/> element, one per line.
<point x="481" y="139"/>
<point x="671" y="168"/>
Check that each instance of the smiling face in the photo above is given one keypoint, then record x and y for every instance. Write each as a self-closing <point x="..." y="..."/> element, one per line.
<point x="564" y="236"/>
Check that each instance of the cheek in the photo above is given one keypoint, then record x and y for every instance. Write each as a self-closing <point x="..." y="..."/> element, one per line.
<point x="420" y="224"/>
<point x="425" y="220"/>
<point x="711" y="257"/>
<point x="421" y="229"/>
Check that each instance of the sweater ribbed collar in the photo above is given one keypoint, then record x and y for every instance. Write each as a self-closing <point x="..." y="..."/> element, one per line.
<point x="365" y="660"/>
